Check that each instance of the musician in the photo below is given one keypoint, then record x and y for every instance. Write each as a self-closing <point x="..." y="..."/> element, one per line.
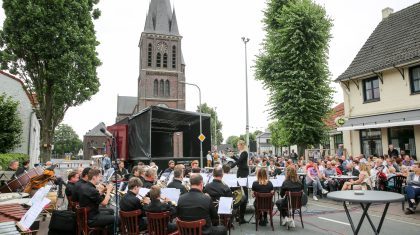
<point x="262" y="185"/>
<point x="90" y="197"/>
<point x="121" y="171"/>
<point x="72" y="178"/>
<point x="23" y="169"/>
<point x="135" y="172"/>
<point x="171" y="167"/>
<point x="142" y="172"/>
<point x="13" y="166"/>
<point x="131" y="202"/>
<point x="243" y="172"/>
<point x="78" y="185"/>
<point x="217" y="188"/>
<point x="195" y="205"/>
<point x="157" y="206"/>
<point x="150" y="177"/>
<point x="177" y="181"/>
<point x="57" y="181"/>
<point x="291" y="184"/>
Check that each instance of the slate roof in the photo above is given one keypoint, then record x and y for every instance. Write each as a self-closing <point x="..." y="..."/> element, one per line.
<point x="126" y="104"/>
<point x="96" y="131"/>
<point x="395" y="41"/>
<point x="160" y="18"/>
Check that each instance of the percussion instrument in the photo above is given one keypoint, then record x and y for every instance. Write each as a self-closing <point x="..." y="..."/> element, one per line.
<point x="21" y="181"/>
<point x="21" y="201"/>
<point x="10" y="196"/>
<point x="11" y="212"/>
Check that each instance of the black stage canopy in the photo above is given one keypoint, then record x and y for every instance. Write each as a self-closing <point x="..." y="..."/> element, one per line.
<point x="150" y="133"/>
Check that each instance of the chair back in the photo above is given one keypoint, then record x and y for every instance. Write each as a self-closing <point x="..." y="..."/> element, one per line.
<point x="398" y="181"/>
<point x="295" y="199"/>
<point x="264" y="201"/>
<point x="157" y="223"/>
<point x="129" y="221"/>
<point x="190" y="227"/>
<point x="82" y="219"/>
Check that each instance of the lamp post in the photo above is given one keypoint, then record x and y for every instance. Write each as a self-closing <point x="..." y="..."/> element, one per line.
<point x="201" y="132"/>
<point x="215" y="129"/>
<point x="246" y="40"/>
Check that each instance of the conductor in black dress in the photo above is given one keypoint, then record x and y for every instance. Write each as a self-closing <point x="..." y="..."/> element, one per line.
<point x="243" y="172"/>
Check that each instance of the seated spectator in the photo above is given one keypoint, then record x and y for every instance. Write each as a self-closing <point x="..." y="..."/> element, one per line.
<point x="291" y="184"/>
<point x="413" y="190"/>
<point x="335" y="165"/>
<point x="363" y="181"/>
<point x="313" y="178"/>
<point x="407" y="161"/>
<point x="329" y="183"/>
<point x="157" y="206"/>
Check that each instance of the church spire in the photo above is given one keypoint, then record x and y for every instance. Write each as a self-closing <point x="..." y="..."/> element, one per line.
<point x="160" y="19"/>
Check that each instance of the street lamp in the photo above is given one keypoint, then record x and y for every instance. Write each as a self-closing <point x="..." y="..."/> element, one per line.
<point x="201" y="132"/>
<point x="215" y="129"/>
<point x="245" y="40"/>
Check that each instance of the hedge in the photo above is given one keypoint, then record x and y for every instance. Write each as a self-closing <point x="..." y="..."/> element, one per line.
<point x="6" y="158"/>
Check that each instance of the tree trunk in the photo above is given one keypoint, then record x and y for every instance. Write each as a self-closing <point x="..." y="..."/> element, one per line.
<point x="46" y="140"/>
<point x="47" y="128"/>
<point x="301" y="150"/>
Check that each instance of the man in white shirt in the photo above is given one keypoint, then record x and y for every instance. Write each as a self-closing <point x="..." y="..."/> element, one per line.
<point x="209" y="159"/>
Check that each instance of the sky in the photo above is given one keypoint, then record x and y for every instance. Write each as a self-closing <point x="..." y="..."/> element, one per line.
<point x="214" y="54"/>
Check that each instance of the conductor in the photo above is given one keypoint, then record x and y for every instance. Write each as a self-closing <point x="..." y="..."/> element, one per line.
<point x="243" y="172"/>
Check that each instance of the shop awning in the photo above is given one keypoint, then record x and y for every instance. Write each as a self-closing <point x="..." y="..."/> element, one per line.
<point x="407" y="118"/>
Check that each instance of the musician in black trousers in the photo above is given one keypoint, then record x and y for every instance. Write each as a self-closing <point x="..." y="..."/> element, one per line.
<point x="72" y="178"/>
<point x="243" y="172"/>
<point x="90" y="197"/>
<point x="157" y="206"/>
<point x="196" y="205"/>
<point x="217" y="188"/>
<point x="130" y="201"/>
<point x="262" y="185"/>
<point x="77" y="189"/>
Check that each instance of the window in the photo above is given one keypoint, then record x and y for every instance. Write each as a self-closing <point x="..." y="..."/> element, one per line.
<point x="161" y="88"/>
<point x="338" y="139"/>
<point x="167" y="88"/>
<point x="155" y="87"/>
<point x="158" y="58"/>
<point x="174" y="57"/>
<point x="415" y="79"/>
<point x="371" y="142"/>
<point x="402" y="138"/>
<point x="371" y="89"/>
<point x="165" y="60"/>
<point x="149" y="55"/>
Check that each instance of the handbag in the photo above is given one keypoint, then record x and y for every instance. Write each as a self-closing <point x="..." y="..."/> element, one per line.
<point x="63" y="221"/>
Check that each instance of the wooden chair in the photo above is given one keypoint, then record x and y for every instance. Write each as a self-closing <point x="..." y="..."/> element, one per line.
<point x="157" y="223"/>
<point x="129" y="221"/>
<point x="82" y="222"/>
<point x="226" y="220"/>
<point x="263" y="203"/>
<point x="398" y="181"/>
<point x="296" y="204"/>
<point x="190" y="227"/>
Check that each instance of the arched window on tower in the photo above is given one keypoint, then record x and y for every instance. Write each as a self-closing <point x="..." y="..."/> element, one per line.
<point x="174" y="57"/>
<point x="155" y="88"/>
<point x="167" y="88"/>
<point x="165" y="60"/>
<point x="161" y="88"/>
<point x="149" y="55"/>
<point x="158" y="59"/>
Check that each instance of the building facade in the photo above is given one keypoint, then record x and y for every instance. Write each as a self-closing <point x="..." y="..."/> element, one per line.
<point x="94" y="142"/>
<point x="382" y="88"/>
<point x="14" y="87"/>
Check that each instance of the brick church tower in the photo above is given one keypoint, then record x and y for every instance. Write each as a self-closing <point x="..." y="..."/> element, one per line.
<point x="161" y="61"/>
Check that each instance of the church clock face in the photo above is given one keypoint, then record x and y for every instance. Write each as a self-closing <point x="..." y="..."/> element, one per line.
<point x="161" y="46"/>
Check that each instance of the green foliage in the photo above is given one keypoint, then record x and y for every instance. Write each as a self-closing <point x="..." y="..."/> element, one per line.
<point x="10" y="124"/>
<point x="209" y="110"/>
<point x="293" y="66"/>
<point x="52" y="46"/>
<point x="6" y="158"/>
<point x="233" y="140"/>
<point x="66" y="140"/>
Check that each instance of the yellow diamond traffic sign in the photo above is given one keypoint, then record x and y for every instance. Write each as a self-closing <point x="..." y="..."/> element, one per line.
<point x="201" y="137"/>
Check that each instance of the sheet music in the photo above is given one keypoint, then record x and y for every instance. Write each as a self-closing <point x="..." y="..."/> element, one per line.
<point x="251" y="180"/>
<point x="230" y="180"/>
<point x="108" y="174"/>
<point x="143" y="191"/>
<point x="278" y="182"/>
<point x="205" y="178"/>
<point x="225" y="205"/>
<point x="40" y="195"/>
<point x="171" y="193"/>
<point x="242" y="182"/>
<point x="32" y="214"/>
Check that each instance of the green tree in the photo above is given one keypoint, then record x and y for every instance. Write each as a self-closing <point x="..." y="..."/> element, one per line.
<point x="66" y="140"/>
<point x="210" y="110"/>
<point x="51" y="45"/>
<point x="232" y="140"/>
<point x="10" y="124"/>
<point x="293" y="66"/>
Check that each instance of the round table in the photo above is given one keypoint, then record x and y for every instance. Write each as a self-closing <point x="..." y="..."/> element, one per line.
<point x="366" y="198"/>
<point x="344" y="177"/>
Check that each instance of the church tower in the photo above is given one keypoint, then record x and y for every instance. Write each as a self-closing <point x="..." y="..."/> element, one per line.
<point x="162" y="65"/>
